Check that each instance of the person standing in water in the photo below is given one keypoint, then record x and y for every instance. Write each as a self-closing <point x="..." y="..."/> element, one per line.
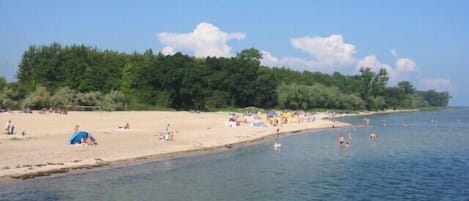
<point x="341" y="139"/>
<point x="373" y="137"/>
<point x="277" y="136"/>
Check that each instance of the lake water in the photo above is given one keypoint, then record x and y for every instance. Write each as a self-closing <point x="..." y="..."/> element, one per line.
<point x="426" y="160"/>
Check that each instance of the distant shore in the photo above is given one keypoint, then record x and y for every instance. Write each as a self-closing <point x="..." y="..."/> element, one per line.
<point x="44" y="149"/>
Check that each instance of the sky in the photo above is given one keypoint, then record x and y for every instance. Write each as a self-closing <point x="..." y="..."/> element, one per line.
<point x="425" y="42"/>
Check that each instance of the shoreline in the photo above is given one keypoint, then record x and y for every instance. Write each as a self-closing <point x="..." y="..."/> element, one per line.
<point x="27" y="168"/>
<point x="150" y="158"/>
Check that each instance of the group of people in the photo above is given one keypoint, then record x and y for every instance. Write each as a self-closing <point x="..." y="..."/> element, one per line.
<point x="86" y="138"/>
<point x="343" y="141"/>
<point x="234" y="120"/>
<point x="125" y="127"/>
<point x="167" y="134"/>
<point x="53" y="110"/>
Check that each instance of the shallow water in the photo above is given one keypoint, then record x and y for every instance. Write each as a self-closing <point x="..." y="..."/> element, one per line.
<point x="426" y="160"/>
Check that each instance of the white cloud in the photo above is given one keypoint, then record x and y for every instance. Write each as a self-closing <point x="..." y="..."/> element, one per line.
<point x="326" y="50"/>
<point x="404" y="69"/>
<point x="438" y="84"/>
<point x="205" y="40"/>
<point x="326" y="54"/>
<point x="268" y="59"/>
<point x="372" y="62"/>
<point x="168" y="50"/>
<point x="290" y="62"/>
<point x="405" y="65"/>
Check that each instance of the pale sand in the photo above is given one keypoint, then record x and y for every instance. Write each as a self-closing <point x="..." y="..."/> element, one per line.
<point x="44" y="148"/>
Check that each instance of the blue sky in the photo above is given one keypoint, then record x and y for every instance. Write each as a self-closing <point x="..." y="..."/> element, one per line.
<point x="425" y="42"/>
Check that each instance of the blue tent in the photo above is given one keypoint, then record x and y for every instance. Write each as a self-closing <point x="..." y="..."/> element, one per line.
<point x="77" y="136"/>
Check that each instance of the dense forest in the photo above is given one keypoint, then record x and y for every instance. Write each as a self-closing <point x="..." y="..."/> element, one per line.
<point x="78" y="75"/>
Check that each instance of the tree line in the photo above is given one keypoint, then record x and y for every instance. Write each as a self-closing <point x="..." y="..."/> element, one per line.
<point x="78" y="75"/>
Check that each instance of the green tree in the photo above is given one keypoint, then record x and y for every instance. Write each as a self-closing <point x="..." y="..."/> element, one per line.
<point x="373" y="87"/>
<point x="3" y="84"/>
<point x="293" y="96"/>
<point x="87" y="76"/>
<point x="434" y="98"/>
<point x="379" y="82"/>
<point x="406" y="87"/>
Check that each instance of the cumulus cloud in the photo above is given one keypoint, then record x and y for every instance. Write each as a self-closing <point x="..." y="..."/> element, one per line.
<point x="405" y="65"/>
<point x="325" y="54"/>
<point x="168" y="50"/>
<point x="268" y="59"/>
<point x="205" y="40"/>
<point x="291" y="62"/>
<point x="438" y="84"/>
<point x="404" y="68"/>
<point x="327" y="50"/>
<point x="372" y="62"/>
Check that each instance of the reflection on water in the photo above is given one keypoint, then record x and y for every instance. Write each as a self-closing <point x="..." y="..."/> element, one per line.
<point x="426" y="160"/>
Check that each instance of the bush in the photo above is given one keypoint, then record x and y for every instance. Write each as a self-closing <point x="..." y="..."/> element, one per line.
<point x="89" y="99"/>
<point x="39" y="99"/>
<point x="64" y="97"/>
<point x="112" y="101"/>
<point x="11" y="97"/>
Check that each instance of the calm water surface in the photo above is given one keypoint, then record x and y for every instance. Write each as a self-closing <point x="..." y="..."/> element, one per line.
<point x="426" y="160"/>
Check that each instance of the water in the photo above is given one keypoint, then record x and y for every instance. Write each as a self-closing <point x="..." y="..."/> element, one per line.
<point x="426" y="160"/>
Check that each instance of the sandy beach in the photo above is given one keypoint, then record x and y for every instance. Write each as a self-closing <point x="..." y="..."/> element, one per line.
<point x="44" y="147"/>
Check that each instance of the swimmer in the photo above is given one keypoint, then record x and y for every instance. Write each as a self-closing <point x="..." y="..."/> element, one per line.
<point x="373" y="137"/>
<point x="341" y="139"/>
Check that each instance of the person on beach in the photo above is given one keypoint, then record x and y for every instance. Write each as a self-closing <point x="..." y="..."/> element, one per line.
<point x="90" y="140"/>
<point x="167" y="134"/>
<point x="87" y="138"/>
<point x="125" y="127"/>
<point x="9" y="128"/>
